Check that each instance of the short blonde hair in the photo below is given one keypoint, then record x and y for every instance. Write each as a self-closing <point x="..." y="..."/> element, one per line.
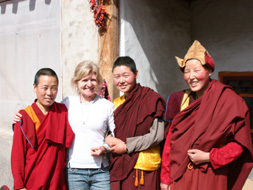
<point x="83" y="69"/>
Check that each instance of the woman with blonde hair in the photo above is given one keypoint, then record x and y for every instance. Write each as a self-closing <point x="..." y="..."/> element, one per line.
<point x="90" y="117"/>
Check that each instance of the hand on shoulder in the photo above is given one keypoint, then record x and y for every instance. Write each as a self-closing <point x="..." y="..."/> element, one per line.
<point x="17" y="116"/>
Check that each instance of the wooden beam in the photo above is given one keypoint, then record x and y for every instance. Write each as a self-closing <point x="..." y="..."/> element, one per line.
<point x="108" y="46"/>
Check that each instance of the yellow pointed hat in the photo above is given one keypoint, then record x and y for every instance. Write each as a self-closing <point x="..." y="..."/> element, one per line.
<point x="196" y="51"/>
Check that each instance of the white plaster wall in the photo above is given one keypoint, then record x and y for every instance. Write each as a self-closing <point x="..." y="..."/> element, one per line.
<point x="226" y="29"/>
<point x="152" y="33"/>
<point x="79" y="38"/>
<point x="29" y="40"/>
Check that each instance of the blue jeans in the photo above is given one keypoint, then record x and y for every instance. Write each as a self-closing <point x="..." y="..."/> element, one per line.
<point x="88" y="179"/>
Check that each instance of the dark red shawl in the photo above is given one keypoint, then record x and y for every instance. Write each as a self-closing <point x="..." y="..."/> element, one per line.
<point x="219" y="114"/>
<point x="134" y="118"/>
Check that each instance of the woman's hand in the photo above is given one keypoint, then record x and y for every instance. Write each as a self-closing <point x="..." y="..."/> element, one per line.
<point x="164" y="186"/>
<point x="16" y="118"/>
<point x="98" y="151"/>
<point x="198" y="156"/>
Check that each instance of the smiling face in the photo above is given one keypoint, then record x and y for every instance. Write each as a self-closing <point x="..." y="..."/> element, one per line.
<point x="46" y="91"/>
<point x="196" y="76"/>
<point x="124" y="79"/>
<point x="88" y="86"/>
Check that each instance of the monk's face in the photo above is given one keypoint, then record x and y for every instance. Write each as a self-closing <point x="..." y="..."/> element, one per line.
<point x="124" y="79"/>
<point x="46" y="91"/>
<point x="88" y="86"/>
<point x="196" y="76"/>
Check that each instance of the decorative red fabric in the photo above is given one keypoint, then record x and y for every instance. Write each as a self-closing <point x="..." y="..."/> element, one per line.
<point x="209" y="61"/>
<point x="134" y="118"/>
<point x="222" y="156"/>
<point x="219" y="114"/>
<point x="165" y="169"/>
<point x="104" y="93"/>
<point x="41" y="166"/>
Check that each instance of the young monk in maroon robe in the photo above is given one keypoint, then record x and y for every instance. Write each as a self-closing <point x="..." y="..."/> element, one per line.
<point x="41" y="138"/>
<point x="209" y="142"/>
<point x="135" y="158"/>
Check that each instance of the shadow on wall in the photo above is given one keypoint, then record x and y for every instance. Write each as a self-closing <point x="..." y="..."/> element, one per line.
<point x="162" y="30"/>
<point x="14" y="3"/>
<point x="165" y="29"/>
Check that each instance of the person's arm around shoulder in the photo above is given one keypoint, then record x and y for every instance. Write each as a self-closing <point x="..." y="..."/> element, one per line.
<point x="16" y="118"/>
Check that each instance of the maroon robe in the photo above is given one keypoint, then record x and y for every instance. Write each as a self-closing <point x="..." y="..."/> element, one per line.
<point x="173" y="107"/>
<point x="38" y="156"/>
<point x="134" y="118"/>
<point x="220" y="114"/>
